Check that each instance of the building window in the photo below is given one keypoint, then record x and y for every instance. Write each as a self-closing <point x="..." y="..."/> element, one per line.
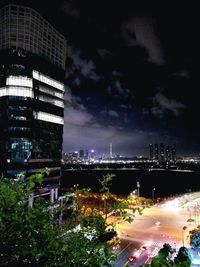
<point x="48" y="117"/>
<point x="19" y="81"/>
<point x="45" y="79"/>
<point x="16" y="91"/>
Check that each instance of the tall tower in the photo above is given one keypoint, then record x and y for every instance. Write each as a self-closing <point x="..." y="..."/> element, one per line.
<point x="162" y="152"/>
<point x="111" y="153"/>
<point x="32" y="69"/>
<point x="173" y="153"/>
<point x="156" y="151"/>
<point x="168" y="155"/>
<point x="151" y="151"/>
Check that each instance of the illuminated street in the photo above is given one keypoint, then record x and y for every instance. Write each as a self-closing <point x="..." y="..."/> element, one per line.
<point x="171" y="216"/>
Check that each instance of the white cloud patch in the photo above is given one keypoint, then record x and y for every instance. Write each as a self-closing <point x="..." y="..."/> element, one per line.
<point x="141" y="31"/>
<point x="86" y="67"/>
<point x="123" y="106"/>
<point x="113" y="113"/>
<point x="116" y="73"/>
<point x="103" y="52"/>
<point x="117" y="90"/>
<point x="163" y="104"/>
<point x="182" y="73"/>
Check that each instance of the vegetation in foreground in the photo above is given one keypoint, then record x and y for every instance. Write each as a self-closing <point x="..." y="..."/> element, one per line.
<point x="31" y="236"/>
<point x="167" y="257"/>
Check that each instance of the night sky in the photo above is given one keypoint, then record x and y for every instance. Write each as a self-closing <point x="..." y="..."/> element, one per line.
<point x="132" y="75"/>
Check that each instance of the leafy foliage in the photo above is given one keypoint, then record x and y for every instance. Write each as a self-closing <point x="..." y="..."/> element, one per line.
<point x="29" y="236"/>
<point x="195" y="240"/>
<point x="163" y="259"/>
<point x="183" y="257"/>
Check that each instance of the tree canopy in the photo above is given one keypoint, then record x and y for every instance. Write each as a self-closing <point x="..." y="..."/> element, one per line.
<point x="195" y="240"/>
<point x="164" y="259"/>
<point x="30" y="236"/>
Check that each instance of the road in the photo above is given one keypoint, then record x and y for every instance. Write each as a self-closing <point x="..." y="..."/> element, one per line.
<point x="172" y="215"/>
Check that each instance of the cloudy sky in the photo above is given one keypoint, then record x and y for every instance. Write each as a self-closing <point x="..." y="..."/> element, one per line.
<point x="131" y="75"/>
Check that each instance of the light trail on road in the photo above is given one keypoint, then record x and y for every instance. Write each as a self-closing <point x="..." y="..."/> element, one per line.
<point x="143" y="231"/>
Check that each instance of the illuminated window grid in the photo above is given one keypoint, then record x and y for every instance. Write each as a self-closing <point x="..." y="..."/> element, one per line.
<point x="16" y="91"/>
<point x="48" y="117"/>
<point x="47" y="80"/>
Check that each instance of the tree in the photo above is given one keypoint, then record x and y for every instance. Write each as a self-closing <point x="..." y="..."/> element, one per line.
<point x="195" y="239"/>
<point x="29" y="236"/>
<point x="119" y="205"/>
<point x="162" y="259"/>
<point x="183" y="257"/>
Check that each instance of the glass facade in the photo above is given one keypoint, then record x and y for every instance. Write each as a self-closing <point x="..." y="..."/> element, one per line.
<point x="31" y="93"/>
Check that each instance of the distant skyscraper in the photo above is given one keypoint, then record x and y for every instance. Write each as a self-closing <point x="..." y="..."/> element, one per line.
<point x="92" y="154"/>
<point x="173" y="153"/>
<point x="81" y="153"/>
<point x="168" y="155"/>
<point x="111" y="153"/>
<point x="86" y="155"/>
<point x="156" y="155"/>
<point x="162" y="152"/>
<point x="32" y="70"/>
<point x="151" y="154"/>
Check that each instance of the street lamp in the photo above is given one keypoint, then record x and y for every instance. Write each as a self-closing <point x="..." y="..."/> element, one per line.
<point x="153" y="193"/>
<point x="138" y="188"/>
<point x="133" y="193"/>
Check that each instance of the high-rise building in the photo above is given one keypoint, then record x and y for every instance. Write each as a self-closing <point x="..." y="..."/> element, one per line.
<point x="32" y="70"/>
<point x="156" y="152"/>
<point x="168" y="155"/>
<point x="162" y="152"/>
<point x="173" y="153"/>
<point x="81" y="153"/>
<point x="151" y="151"/>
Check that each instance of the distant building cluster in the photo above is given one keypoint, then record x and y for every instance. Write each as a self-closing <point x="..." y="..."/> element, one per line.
<point x="79" y="156"/>
<point x="157" y="153"/>
<point x="162" y="152"/>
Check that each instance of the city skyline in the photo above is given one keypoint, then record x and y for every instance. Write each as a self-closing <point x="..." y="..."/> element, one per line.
<point x="131" y="75"/>
<point x="154" y="152"/>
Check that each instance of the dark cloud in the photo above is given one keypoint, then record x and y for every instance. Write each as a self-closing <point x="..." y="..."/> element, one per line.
<point x="69" y="8"/>
<point x="103" y="52"/>
<point x="123" y="53"/>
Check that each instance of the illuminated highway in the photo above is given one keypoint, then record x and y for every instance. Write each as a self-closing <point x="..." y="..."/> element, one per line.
<point x="172" y="216"/>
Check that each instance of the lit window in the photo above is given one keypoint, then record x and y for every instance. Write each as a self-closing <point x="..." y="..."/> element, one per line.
<point x="45" y="79"/>
<point x="48" y="117"/>
<point x="55" y="102"/>
<point x="51" y="91"/>
<point x="19" y="81"/>
<point x="16" y="91"/>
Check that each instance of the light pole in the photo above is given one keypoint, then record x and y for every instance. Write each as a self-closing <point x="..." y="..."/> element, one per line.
<point x="138" y="188"/>
<point x="153" y="193"/>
